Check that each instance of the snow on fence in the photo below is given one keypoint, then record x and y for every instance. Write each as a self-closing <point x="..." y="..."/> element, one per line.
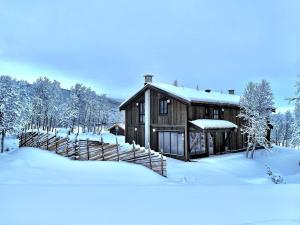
<point x="94" y="150"/>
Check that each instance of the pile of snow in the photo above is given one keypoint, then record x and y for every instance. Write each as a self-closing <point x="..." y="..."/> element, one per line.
<point x="39" y="187"/>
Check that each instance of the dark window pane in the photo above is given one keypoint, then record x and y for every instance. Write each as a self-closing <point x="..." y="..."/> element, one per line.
<point x="141" y="112"/>
<point x="160" y="141"/>
<point x="180" y="138"/>
<point x="216" y="114"/>
<point x="167" y="147"/>
<point x="174" y="143"/>
<point x="163" y="107"/>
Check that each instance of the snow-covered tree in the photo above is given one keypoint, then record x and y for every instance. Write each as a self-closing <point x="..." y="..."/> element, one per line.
<point x="45" y="104"/>
<point x="283" y="128"/>
<point x="288" y="128"/>
<point x="175" y="83"/>
<point x="11" y="105"/>
<point x="256" y="107"/>
<point x="46" y="101"/>
<point x="295" y="137"/>
<point x="277" y="120"/>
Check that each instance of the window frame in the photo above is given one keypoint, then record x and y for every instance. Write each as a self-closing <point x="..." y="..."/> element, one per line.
<point x="141" y="112"/>
<point x="170" y="150"/>
<point x="216" y="114"/>
<point x="163" y="102"/>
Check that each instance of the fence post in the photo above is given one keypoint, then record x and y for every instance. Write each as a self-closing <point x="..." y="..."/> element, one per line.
<point x="102" y="149"/>
<point x="162" y="162"/>
<point x="56" y="145"/>
<point x="2" y="140"/>
<point x="118" y="149"/>
<point x="21" y="139"/>
<point x="47" y="141"/>
<point x="25" y="137"/>
<point x="133" y="149"/>
<point x="149" y="153"/>
<point x="76" y="147"/>
<point x="87" y="149"/>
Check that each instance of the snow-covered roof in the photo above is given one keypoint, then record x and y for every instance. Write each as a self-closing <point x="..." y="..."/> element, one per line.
<point x="192" y="95"/>
<point x="121" y="125"/>
<point x="213" y="124"/>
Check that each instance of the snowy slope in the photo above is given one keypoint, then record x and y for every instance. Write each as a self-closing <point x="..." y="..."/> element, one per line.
<point x="38" y="187"/>
<point x="235" y="169"/>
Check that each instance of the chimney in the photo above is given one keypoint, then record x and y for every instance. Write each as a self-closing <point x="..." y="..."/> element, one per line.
<point x="148" y="78"/>
<point x="208" y="90"/>
<point x="231" y="91"/>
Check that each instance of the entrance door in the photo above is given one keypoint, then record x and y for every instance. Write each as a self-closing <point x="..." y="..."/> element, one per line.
<point x="210" y="138"/>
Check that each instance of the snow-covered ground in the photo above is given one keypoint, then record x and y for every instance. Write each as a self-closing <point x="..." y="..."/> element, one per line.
<point x="38" y="187"/>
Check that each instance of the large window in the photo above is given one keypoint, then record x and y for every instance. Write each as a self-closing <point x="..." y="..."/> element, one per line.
<point x="163" y="106"/>
<point x="171" y="142"/>
<point x="216" y="114"/>
<point x="141" y="112"/>
<point x="197" y="143"/>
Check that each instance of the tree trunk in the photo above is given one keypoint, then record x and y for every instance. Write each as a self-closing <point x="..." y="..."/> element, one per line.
<point x="252" y="152"/>
<point x="73" y="124"/>
<point x="247" y="151"/>
<point x="89" y="123"/>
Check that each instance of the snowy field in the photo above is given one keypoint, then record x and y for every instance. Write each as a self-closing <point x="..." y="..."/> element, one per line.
<point x="40" y="188"/>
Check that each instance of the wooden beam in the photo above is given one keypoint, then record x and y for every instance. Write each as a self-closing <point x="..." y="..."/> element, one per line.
<point x="186" y="138"/>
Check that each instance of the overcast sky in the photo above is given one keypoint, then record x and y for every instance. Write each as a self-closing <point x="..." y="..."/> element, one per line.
<point x="109" y="45"/>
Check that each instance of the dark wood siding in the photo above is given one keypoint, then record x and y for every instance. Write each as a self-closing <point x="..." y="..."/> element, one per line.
<point x="176" y="111"/>
<point x="230" y="113"/>
<point x="132" y="122"/>
<point x="175" y="120"/>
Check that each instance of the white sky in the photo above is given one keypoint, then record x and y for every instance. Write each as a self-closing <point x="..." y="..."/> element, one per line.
<point x="109" y="45"/>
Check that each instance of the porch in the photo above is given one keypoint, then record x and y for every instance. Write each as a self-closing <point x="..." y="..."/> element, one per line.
<point x="209" y="137"/>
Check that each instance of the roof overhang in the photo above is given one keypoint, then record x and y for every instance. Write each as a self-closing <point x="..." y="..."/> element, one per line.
<point x="210" y="125"/>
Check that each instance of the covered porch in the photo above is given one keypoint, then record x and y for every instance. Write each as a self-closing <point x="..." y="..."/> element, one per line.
<point x="209" y="137"/>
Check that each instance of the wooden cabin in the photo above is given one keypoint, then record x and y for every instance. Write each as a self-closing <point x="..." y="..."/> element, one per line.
<point x="183" y="122"/>
<point x="117" y="129"/>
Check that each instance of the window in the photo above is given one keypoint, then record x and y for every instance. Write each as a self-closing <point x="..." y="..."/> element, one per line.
<point x="141" y="112"/>
<point x="197" y="142"/>
<point x="171" y="142"/>
<point x="163" y="107"/>
<point x="207" y="113"/>
<point x="216" y="114"/>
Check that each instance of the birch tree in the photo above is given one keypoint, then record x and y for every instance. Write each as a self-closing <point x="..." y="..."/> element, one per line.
<point x="256" y="107"/>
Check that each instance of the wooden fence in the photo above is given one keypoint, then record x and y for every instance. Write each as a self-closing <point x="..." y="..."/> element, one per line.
<point x="2" y="134"/>
<point x="94" y="150"/>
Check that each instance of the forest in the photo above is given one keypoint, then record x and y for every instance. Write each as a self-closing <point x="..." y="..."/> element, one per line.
<point x="45" y="104"/>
